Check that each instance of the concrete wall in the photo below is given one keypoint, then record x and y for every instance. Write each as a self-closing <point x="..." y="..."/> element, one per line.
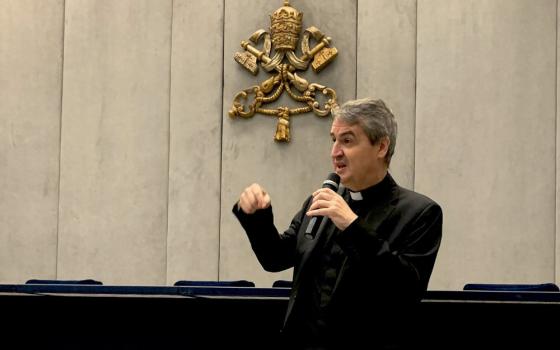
<point x="289" y="172"/>
<point x="486" y="136"/>
<point x="31" y="42"/>
<point x="115" y="141"/>
<point x="118" y="161"/>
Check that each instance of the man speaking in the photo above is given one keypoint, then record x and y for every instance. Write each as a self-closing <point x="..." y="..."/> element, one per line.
<point x="362" y="252"/>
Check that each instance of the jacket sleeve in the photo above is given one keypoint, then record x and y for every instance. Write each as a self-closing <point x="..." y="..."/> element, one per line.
<point x="275" y="251"/>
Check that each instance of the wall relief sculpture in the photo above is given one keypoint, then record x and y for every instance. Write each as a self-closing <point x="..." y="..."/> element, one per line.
<point x="283" y="65"/>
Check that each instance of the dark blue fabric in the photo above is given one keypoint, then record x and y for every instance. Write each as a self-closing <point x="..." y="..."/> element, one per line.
<point x="240" y="283"/>
<point x="86" y="281"/>
<point x="542" y="287"/>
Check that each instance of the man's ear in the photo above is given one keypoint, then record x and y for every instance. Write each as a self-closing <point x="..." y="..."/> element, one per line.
<point x="383" y="147"/>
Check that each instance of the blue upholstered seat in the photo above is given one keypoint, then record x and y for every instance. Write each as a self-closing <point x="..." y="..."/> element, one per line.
<point x="41" y="281"/>
<point x="541" y="287"/>
<point x="239" y="283"/>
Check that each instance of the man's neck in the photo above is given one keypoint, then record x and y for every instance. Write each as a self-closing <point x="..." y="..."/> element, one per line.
<point x="374" y="180"/>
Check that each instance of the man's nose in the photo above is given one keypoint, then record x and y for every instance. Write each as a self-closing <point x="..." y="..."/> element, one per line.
<point x="336" y="151"/>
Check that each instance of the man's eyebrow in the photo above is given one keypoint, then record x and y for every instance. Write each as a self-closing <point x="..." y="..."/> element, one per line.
<point x="349" y="132"/>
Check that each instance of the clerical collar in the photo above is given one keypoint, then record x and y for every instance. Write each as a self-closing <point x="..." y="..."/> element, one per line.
<point x="356" y="196"/>
<point x="373" y="191"/>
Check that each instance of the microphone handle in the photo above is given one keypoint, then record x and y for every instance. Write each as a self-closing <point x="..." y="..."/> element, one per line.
<point x="309" y="233"/>
<point x="309" y="230"/>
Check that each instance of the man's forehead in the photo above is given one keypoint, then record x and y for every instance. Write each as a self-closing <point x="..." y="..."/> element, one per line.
<point x="340" y="127"/>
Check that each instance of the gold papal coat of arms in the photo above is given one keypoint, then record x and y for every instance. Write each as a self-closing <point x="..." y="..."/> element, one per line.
<point x="285" y="28"/>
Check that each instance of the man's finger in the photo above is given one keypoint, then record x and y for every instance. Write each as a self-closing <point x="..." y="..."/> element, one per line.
<point x="265" y="200"/>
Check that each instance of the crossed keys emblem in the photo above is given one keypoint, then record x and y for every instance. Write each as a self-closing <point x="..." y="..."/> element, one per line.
<point x="283" y="38"/>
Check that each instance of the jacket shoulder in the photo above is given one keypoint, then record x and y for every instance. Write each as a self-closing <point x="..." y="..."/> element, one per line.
<point x="409" y="198"/>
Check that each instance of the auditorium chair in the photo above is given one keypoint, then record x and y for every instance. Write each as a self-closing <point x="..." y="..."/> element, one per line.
<point x="194" y="283"/>
<point x="282" y="284"/>
<point x="41" y="281"/>
<point x="509" y="287"/>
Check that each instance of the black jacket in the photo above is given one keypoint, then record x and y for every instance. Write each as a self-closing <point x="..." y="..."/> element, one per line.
<point x="389" y="253"/>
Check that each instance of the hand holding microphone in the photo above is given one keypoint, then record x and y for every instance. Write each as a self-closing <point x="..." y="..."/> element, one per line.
<point x="326" y="202"/>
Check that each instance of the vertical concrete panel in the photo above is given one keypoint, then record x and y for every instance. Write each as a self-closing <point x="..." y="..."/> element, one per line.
<point x="30" y="87"/>
<point x="195" y="153"/>
<point x="115" y="134"/>
<point x="485" y="137"/>
<point x="557" y="256"/>
<point x="292" y="171"/>
<point x="387" y="70"/>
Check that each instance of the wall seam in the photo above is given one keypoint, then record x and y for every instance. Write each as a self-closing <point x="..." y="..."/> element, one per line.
<point x="57" y="251"/>
<point x="221" y="141"/>
<point x="556" y="248"/>
<point x="166" y="258"/>
<point x="415" y="101"/>
<point x="356" y="43"/>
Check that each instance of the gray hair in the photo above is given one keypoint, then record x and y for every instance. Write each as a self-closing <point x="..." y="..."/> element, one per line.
<point x="375" y="118"/>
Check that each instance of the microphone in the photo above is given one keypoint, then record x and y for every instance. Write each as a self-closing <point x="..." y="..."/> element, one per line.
<point x="318" y="222"/>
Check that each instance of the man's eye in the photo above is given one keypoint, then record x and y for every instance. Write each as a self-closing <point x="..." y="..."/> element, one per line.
<point x="346" y="140"/>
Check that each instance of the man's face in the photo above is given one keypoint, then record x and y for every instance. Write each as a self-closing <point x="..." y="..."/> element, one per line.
<point x="358" y="163"/>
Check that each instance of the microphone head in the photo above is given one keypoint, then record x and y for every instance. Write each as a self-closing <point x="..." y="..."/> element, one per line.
<point x="332" y="182"/>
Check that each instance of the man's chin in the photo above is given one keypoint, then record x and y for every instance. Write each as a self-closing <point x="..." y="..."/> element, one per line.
<point x="344" y="179"/>
<point x="340" y="171"/>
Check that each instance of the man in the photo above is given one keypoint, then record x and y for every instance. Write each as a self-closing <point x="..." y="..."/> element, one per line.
<point x="357" y="283"/>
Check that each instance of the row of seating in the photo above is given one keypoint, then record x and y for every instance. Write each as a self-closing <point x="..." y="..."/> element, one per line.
<point x="539" y="287"/>
<point x="181" y="283"/>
